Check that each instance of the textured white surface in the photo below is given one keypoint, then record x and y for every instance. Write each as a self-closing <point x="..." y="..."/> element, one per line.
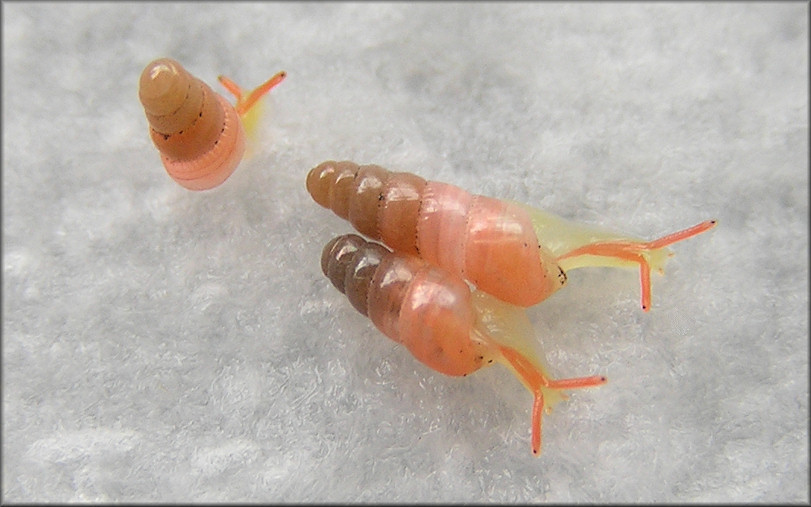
<point x="164" y="345"/>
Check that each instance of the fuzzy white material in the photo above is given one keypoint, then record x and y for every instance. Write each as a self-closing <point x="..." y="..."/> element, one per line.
<point x="166" y="345"/>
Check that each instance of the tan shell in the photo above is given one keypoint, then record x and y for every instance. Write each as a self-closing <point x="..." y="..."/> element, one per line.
<point x="197" y="132"/>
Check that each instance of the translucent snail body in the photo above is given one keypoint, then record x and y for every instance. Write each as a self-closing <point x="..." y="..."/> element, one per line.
<point x="510" y="250"/>
<point x="434" y="314"/>
<point x="199" y="134"/>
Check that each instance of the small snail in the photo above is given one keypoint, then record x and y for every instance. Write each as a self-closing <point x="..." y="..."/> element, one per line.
<point x="515" y="252"/>
<point x="444" y="324"/>
<point x="199" y="134"/>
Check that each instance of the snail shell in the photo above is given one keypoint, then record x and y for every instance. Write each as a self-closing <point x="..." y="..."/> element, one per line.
<point x="198" y="133"/>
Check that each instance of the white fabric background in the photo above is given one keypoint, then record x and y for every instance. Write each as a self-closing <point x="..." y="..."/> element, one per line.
<point x="165" y="345"/>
